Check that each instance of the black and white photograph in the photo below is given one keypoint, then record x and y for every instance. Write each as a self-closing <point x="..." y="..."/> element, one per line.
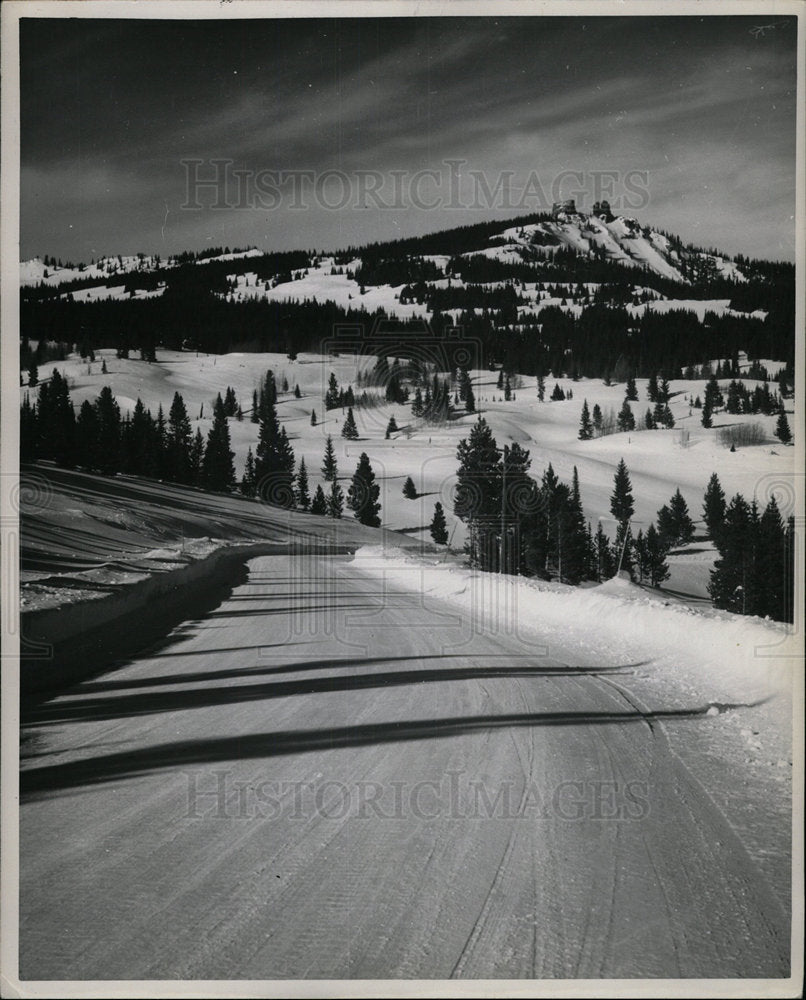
<point x="402" y="499"/>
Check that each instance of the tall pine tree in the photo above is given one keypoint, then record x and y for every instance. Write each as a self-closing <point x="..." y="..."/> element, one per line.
<point x="714" y="507"/>
<point x="178" y="443"/>
<point x="329" y="465"/>
<point x="364" y="493"/>
<point x="303" y="494"/>
<point x="274" y="456"/>
<point x="218" y="472"/>
<point x="585" y="423"/>
<point x="439" y="527"/>
<point x="335" y="500"/>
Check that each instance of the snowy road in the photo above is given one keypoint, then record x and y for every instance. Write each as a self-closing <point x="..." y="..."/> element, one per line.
<point x="322" y="780"/>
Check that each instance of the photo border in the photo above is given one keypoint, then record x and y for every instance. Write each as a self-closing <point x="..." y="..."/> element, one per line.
<point x="12" y="12"/>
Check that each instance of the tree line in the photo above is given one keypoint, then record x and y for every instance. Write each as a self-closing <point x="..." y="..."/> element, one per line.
<point x="524" y="526"/>
<point x="101" y="440"/>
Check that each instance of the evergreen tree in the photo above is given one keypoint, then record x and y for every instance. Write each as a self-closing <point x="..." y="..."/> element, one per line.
<point x="335" y="501"/>
<point x="179" y="439"/>
<point x="439" y="527"/>
<point x="597" y="418"/>
<point x="56" y="424"/>
<point x="108" y="439"/>
<point x="732" y="577"/>
<point x="668" y="417"/>
<point x="87" y="436"/>
<point x="652" y="389"/>
<point x="507" y="389"/>
<point x="666" y="527"/>
<point x="622" y="504"/>
<point x="33" y="375"/>
<point x="391" y="427"/>
<point x="714" y="507"/>
<point x="409" y="489"/>
<point x="706" y="413"/>
<point x="623" y="548"/>
<point x="319" y="504"/>
<point x="218" y="472"/>
<point x="585" y="424"/>
<point x="657" y="569"/>
<point x="464" y="383"/>
<point x="649" y="420"/>
<point x="428" y="403"/>
<point x="349" y="429"/>
<point x="632" y="391"/>
<point x="329" y="464"/>
<point x="518" y="508"/>
<point x="470" y="400"/>
<point x="139" y="457"/>
<point x="28" y="435"/>
<point x="478" y="492"/>
<point x="557" y="393"/>
<point x="684" y="526"/>
<point x="789" y="588"/>
<point x="230" y="402"/>
<point x="772" y="580"/>
<point x="604" y="555"/>
<point x="417" y="403"/>
<point x="541" y="388"/>
<point x="274" y="457"/>
<point x="576" y="555"/>
<point x="713" y="395"/>
<point x="255" y="414"/>
<point x="641" y="556"/>
<point x="197" y="458"/>
<point x="303" y="495"/>
<point x="297" y="391"/>
<point x="593" y="568"/>
<point x="268" y="394"/>
<point x="363" y="494"/>
<point x="782" y="431"/>
<point x="626" y="420"/>
<point x="313" y="418"/>
<point x="249" y="480"/>
<point x="332" y="394"/>
<point x="394" y="390"/>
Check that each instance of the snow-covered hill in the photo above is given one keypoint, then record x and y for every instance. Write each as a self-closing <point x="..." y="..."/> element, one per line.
<point x="600" y="236"/>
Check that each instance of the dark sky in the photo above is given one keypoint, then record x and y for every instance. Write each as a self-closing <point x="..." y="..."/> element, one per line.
<point x="111" y="108"/>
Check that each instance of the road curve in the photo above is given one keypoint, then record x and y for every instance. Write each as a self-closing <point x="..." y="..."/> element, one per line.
<point x="324" y="778"/>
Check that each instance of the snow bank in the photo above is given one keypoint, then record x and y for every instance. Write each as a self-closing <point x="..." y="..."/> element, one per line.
<point x="74" y="640"/>
<point x="709" y="654"/>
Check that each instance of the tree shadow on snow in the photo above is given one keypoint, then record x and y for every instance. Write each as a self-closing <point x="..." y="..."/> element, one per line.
<point x="42" y="781"/>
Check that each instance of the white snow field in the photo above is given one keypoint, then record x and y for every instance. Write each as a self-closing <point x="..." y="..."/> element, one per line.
<point x="659" y="461"/>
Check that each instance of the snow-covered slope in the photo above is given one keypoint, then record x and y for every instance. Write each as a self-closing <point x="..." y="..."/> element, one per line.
<point x="616" y="239"/>
<point x="620" y="239"/>
<point x="659" y="461"/>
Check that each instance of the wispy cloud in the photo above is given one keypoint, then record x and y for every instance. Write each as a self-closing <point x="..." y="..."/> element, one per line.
<point x="111" y="109"/>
